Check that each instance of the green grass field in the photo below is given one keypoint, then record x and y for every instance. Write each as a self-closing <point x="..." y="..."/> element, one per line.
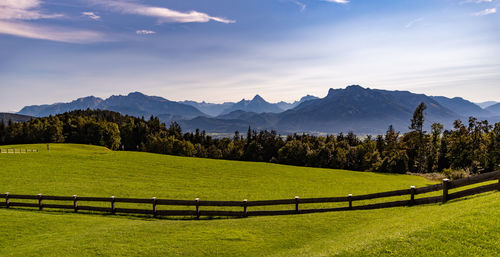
<point x="469" y="226"/>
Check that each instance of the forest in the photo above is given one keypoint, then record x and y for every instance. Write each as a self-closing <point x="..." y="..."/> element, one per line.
<point x="468" y="148"/>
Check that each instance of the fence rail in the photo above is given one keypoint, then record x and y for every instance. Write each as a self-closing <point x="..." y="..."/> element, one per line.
<point x="296" y="202"/>
<point x="18" y="150"/>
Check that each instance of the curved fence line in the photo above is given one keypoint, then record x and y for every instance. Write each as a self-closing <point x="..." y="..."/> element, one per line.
<point x="296" y="202"/>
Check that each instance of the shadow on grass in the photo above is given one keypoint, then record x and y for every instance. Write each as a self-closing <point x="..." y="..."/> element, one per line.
<point x="458" y="200"/>
<point x="143" y="217"/>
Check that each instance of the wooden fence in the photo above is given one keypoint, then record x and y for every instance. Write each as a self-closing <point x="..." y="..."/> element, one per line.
<point x="245" y="205"/>
<point x="18" y="150"/>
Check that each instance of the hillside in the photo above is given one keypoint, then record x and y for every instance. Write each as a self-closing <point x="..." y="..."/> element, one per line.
<point x="287" y="106"/>
<point x="150" y="174"/>
<point x="230" y="122"/>
<point x="486" y="104"/>
<point x="14" y="117"/>
<point x="462" y="227"/>
<point x="494" y="109"/>
<point x="84" y="103"/>
<point x="209" y="108"/>
<point x="462" y="106"/>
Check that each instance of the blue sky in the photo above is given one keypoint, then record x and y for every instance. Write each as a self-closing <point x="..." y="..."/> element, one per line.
<point x="225" y="50"/>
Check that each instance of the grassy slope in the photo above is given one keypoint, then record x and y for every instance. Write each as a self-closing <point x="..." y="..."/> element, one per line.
<point x="95" y="171"/>
<point x="463" y="227"/>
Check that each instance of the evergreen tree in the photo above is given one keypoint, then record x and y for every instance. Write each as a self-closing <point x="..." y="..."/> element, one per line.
<point x="417" y="126"/>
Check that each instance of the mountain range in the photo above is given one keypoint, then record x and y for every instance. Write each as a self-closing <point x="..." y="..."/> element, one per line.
<point x="354" y="108"/>
<point x="486" y="104"/>
<point x="135" y="104"/>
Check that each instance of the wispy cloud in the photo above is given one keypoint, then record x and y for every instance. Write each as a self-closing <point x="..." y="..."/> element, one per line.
<point x="413" y="22"/>
<point x="485" y="12"/>
<point x="338" y="1"/>
<point x="476" y="1"/>
<point x="60" y="34"/>
<point x="17" y="19"/>
<point x="145" y="32"/>
<point x="23" y="10"/>
<point x="91" y="15"/>
<point x="300" y="4"/>
<point x="163" y="14"/>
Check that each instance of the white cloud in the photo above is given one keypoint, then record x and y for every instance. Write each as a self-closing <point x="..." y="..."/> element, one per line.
<point x="60" y="34"/>
<point x="23" y="10"/>
<point x="162" y="13"/>
<point x="145" y="32"/>
<point x="485" y="12"/>
<point x="91" y="15"/>
<point x="338" y="1"/>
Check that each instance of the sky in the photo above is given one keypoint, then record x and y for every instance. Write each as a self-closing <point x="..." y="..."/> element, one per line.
<point x="226" y="50"/>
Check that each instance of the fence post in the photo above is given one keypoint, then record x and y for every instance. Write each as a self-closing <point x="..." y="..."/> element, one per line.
<point x="113" y="210"/>
<point x="446" y="184"/>
<point x="40" y="206"/>
<point x="245" y="214"/>
<point x="197" y="208"/>
<point x="350" y="200"/>
<point x="75" y="203"/>
<point x="154" y="207"/>
<point x="7" y="201"/>
<point x="412" y="198"/>
<point x="297" y="204"/>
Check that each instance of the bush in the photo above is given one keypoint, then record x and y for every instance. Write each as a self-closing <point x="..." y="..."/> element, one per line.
<point x="455" y="174"/>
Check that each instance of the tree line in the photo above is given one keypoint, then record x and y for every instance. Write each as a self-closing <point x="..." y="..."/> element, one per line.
<point x="469" y="148"/>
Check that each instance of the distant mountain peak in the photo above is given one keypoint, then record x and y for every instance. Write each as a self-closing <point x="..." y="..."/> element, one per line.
<point x="137" y="94"/>
<point x="349" y="89"/>
<point x="258" y="98"/>
<point x="307" y="97"/>
<point x="355" y="87"/>
<point x="257" y="105"/>
<point x="89" y="99"/>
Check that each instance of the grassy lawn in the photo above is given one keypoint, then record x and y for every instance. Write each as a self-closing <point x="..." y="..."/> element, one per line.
<point x="469" y="226"/>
